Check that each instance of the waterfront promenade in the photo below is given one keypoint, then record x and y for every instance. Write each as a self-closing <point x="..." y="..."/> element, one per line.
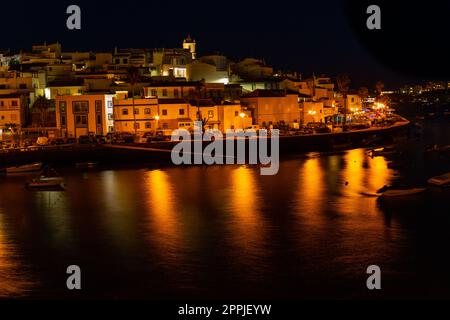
<point x="159" y="152"/>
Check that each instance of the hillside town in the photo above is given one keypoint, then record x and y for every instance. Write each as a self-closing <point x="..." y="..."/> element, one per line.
<point x="150" y="92"/>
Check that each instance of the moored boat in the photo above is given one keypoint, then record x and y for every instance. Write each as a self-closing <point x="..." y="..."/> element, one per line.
<point x="46" y="182"/>
<point x="47" y="178"/>
<point x="382" y="151"/>
<point x="32" y="167"/>
<point x="442" y="180"/>
<point x="399" y="191"/>
<point x="86" y="165"/>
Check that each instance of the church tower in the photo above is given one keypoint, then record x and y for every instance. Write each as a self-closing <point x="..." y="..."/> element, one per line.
<point x="189" y="44"/>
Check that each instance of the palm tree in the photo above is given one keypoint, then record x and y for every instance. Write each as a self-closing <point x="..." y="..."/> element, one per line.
<point x="379" y="86"/>
<point x="133" y="77"/>
<point x="363" y="93"/>
<point x="343" y="82"/>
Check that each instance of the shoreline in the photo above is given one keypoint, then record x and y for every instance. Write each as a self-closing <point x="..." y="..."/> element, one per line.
<point x="158" y="153"/>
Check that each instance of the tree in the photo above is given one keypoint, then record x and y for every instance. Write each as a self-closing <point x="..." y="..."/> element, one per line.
<point x="133" y="78"/>
<point x="343" y="82"/>
<point x="379" y="86"/>
<point x="12" y="128"/>
<point x="41" y="105"/>
<point x="363" y="93"/>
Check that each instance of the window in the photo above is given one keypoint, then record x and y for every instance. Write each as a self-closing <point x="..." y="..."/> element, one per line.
<point x="125" y="61"/>
<point x="181" y="112"/>
<point x="62" y="106"/>
<point x="98" y="106"/>
<point x="236" y="113"/>
<point x="81" y="120"/>
<point x="164" y="92"/>
<point x="154" y="94"/>
<point x="99" y="120"/>
<point x="110" y="104"/>
<point x="110" y="116"/>
<point x="1" y="103"/>
<point x="124" y="112"/>
<point x="147" y="111"/>
<point x="175" y="93"/>
<point x="136" y="110"/>
<point x="137" y="125"/>
<point x="148" y="125"/>
<point x="211" y="114"/>
<point x="63" y="120"/>
<point x="80" y="106"/>
<point x="22" y="86"/>
<point x="117" y="61"/>
<point x="14" y="103"/>
<point x="164" y="112"/>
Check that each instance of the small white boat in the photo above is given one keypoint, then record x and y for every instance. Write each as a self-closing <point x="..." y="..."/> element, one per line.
<point x="46" y="182"/>
<point x="47" y="178"/>
<point x="32" y="167"/>
<point x="441" y="180"/>
<point x="382" y="151"/>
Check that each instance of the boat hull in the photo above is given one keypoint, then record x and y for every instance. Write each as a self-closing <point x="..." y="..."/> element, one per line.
<point x="443" y="180"/>
<point x="402" y="192"/>
<point x="25" y="168"/>
<point x="46" y="183"/>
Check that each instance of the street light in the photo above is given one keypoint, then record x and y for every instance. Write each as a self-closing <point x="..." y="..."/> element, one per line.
<point x="242" y="115"/>
<point x="157" y="119"/>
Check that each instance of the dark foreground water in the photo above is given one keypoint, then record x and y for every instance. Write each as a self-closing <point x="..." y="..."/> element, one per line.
<point x="225" y="231"/>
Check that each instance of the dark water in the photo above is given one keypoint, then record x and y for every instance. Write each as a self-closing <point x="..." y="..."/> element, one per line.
<point x="226" y="231"/>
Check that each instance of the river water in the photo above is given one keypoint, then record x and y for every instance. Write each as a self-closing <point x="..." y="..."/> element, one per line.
<point x="227" y="232"/>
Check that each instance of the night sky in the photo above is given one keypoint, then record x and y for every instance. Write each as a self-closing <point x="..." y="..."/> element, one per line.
<point x="305" y="36"/>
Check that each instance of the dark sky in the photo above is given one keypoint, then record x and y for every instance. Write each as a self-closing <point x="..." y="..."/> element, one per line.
<point x="306" y="36"/>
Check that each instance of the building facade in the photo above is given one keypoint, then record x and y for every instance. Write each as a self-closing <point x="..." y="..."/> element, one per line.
<point x="85" y="114"/>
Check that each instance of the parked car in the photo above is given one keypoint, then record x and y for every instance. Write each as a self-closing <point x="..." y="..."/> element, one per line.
<point x="318" y="127"/>
<point x="42" y="141"/>
<point x="100" y="139"/>
<point x="84" y="140"/>
<point x="127" y="137"/>
<point x="56" y="142"/>
<point x="358" y="126"/>
<point x="144" y="138"/>
<point x="71" y="140"/>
